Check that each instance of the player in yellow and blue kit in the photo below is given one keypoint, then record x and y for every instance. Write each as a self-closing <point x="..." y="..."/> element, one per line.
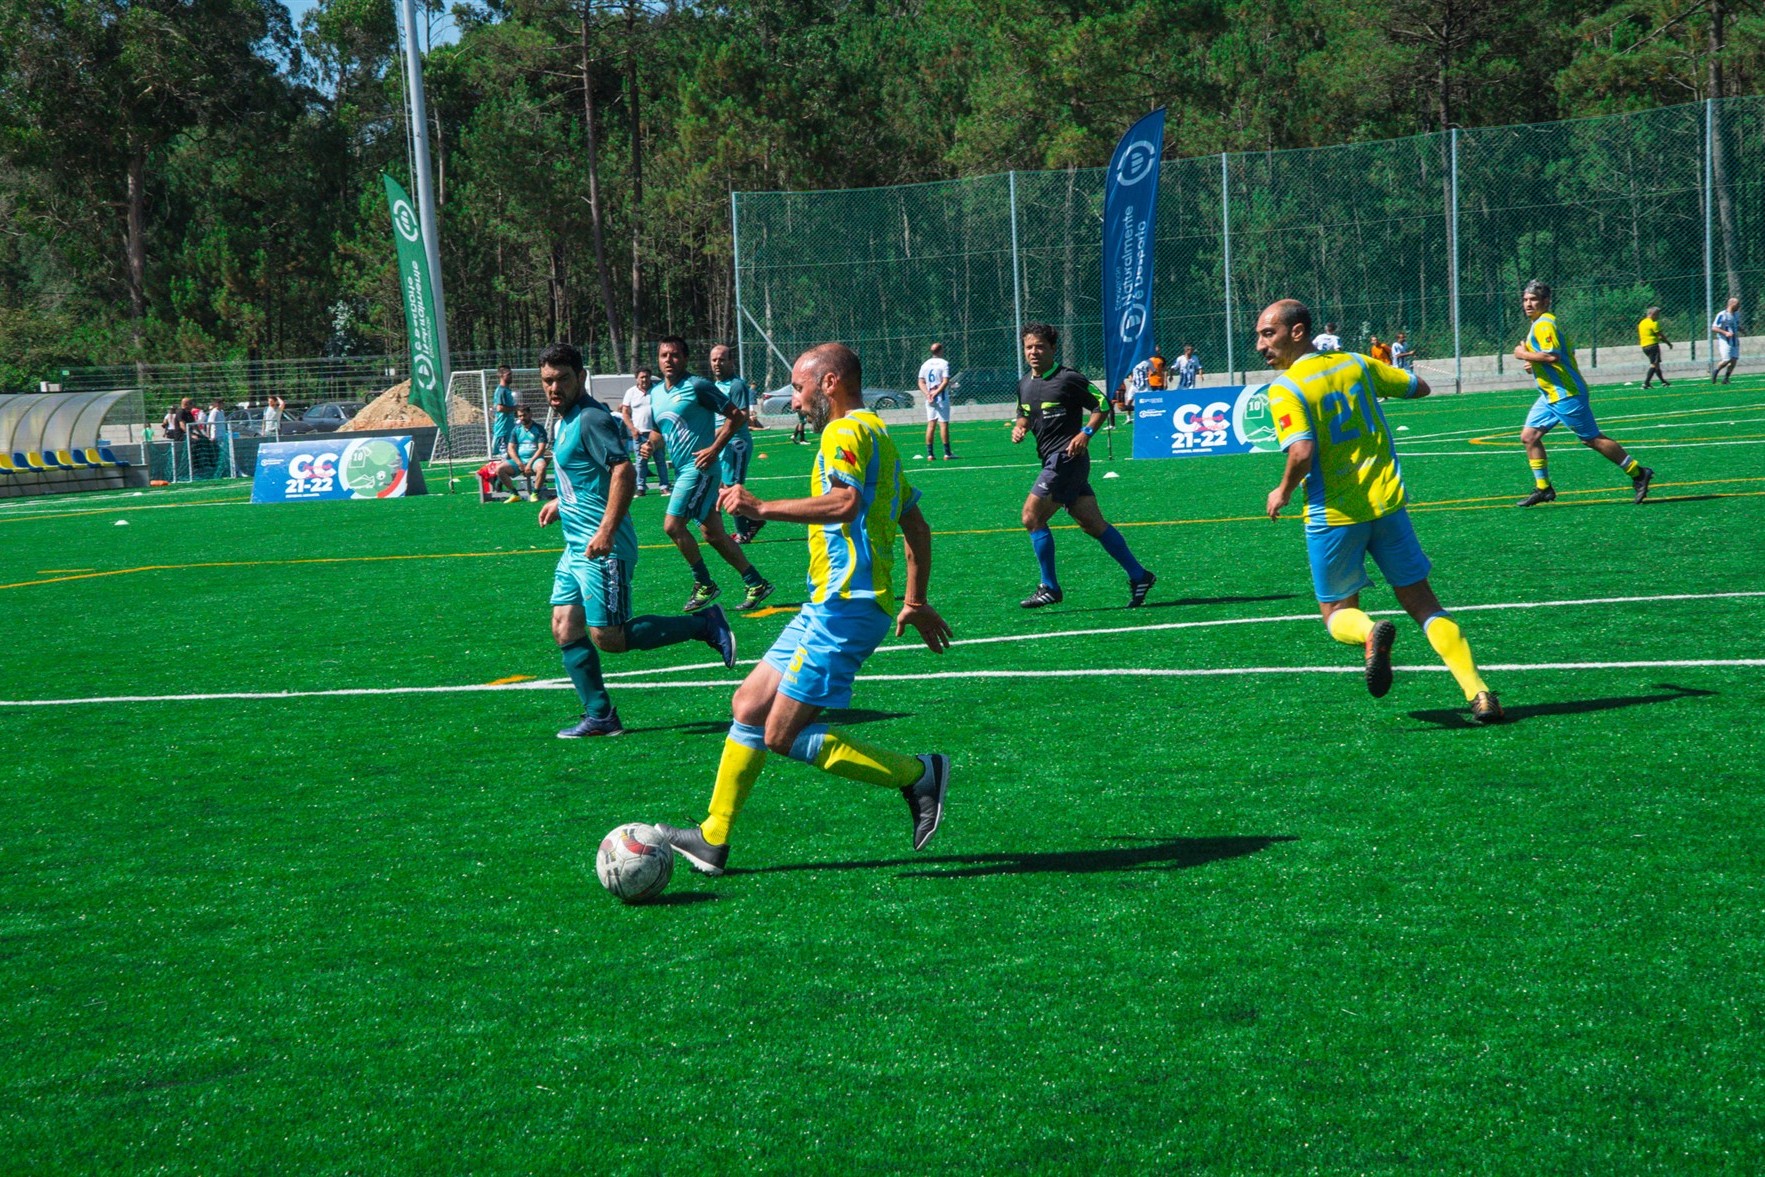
<point x="591" y="590"/>
<point x="1562" y="400"/>
<point x="685" y="410"/>
<point x="1327" y="416"/>
<point x="859" y="498"/>
<point x="733" y="463"/>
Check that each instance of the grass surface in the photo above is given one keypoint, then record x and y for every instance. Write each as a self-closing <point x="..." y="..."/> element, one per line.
<point x="1236" y="922"/>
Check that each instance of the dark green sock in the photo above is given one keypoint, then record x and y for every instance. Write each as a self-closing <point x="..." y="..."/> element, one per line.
<point x="652" y="633"/>
<point x="582" y="662"/>
<point x="701" y="573"/>
<point x="752" y="577"/>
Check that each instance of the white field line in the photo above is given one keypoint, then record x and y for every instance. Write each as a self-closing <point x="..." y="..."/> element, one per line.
<point x="1486" y="451"/>
<point x="1740" y="408"/>
<point x="933" y="676"/>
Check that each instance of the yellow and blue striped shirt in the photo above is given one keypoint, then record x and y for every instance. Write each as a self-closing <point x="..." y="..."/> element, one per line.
<point x="1333" y="400"/>
<point x="855" y="560"/>
<point x="1562" y="378"/>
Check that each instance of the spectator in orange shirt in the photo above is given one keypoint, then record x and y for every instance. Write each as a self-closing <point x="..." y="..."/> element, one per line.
<point x="1155" y="378"/>
<point x="1380" y="351"/>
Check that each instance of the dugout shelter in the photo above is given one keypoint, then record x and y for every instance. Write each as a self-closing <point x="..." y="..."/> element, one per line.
<point x="52" y="443"/>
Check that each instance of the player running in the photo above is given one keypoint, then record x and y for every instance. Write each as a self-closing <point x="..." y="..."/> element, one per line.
<point x="1328" y="419"/>
<point x="1562" y="400"/>
<point x="685" y="409"/>
<point x="1052" y="403"/>
<point x="591" y="591"/>
<point x="859" y="498"/>
<point x="733" y="463"/>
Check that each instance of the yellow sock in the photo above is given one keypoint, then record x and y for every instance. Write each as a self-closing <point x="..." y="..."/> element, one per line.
<point x="1350" y="626"/>
<point x="835" y="752"/>
<point x="1443" y="634"/>
<point x="1630" y="466"/>
<point x="744" y="754"/>
<point x="1541" y="477"/>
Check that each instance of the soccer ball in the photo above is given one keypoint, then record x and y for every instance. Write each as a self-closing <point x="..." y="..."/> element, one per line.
<point x="634" y="863"/>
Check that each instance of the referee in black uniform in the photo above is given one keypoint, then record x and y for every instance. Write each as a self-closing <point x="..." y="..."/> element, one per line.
<point x="1061" y="408"/>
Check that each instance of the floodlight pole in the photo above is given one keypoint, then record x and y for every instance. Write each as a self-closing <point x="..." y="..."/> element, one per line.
<point x="425" y="195"/>
<point x="1709" y="241"/>
<point x="1226" y="222"/>
<point x="1016" y="282"/>
<point x="735" y="247"/>
<point x="1458" y="352"/>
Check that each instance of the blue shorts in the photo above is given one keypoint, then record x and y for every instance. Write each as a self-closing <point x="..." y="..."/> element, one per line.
<point x="733" y="461"/>
<point x="602" y="586"/>
<point x="695" y="493"/>
<point x="1339" y="556"/>
<point x="1573" y="411"/>
<point x="820" y="651"/>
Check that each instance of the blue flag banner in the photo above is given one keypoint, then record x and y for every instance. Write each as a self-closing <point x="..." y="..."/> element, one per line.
<point x="1130" y="207"/>
<point x="1192" y="422"/>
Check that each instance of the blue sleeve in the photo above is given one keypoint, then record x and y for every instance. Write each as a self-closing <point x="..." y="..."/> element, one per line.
<point x="709" y="395"/>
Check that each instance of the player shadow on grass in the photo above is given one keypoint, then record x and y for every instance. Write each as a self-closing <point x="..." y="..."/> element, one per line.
<point x="1162" y="853"/>
<point x="850" y="717"/>
<point x="1444" y="720"/>
<point x="1186" y="602"/>
<point x="683" y="898"/>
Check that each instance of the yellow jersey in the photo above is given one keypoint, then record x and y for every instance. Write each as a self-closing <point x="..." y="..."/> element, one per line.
<point x="1563" y="378"/>
<point x="856" y="559"/>
<point x="1648" y="332"/>
<point x="1333" y="401"/>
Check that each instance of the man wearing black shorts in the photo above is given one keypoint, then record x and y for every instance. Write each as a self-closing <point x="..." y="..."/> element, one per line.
<point x="1061" y="408"/>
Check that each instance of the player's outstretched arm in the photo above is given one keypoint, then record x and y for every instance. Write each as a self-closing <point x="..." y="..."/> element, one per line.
<point x="841" y="504"/>
<point x="916" y="611"/>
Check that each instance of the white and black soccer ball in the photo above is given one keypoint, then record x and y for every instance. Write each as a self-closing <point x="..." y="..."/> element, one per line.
<point x="634" y="863"/>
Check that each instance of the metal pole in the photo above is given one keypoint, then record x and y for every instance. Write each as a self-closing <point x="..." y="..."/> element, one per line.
<point x="1226" y="221"/>
<point x="1709" y="241"/>
<point x="1458" y="351"/>
<point x="735" y="249"/>
<point x="1016" y="283"/>
<point x="425" y="197"/>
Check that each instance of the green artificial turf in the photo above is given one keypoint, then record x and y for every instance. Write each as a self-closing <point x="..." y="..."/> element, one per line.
<point x="1233" y="923"/>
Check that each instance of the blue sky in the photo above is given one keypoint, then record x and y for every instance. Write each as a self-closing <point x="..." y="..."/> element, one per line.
<point x="299" y="8"/>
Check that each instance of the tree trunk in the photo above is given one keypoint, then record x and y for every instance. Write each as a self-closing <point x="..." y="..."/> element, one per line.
<point x="594" y="189"/>
<point x="636" y="184"/>
<point x="1719" y="151"/>
<point x="137" y="253"/>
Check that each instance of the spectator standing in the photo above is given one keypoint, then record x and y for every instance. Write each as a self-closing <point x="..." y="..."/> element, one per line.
<point x="635" y="408"/>
<point x="273" y="409"/>
<point x="1402" y="354"/>
<point x="1188" y="367"/>
<point x="1379" y="351"/>
<point x="934" y="386"/>
<point x="1155" y="375"/>
<point x="1649" y="337"/>
<point x="1327" y="341"/>
<point x="1727" y="328"/>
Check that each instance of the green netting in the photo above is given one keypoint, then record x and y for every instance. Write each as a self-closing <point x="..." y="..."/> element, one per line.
<point x="1613" y="212"/>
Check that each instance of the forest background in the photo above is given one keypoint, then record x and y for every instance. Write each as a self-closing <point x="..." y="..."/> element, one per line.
<point x="195" y="180"/>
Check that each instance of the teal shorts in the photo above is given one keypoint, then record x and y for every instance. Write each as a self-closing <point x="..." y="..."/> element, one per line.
<point x="1573" y="411"/>
<point x="1339" y="556"/>
<point x="819" y="653"/>
<point x="601" y="586"/>
<point x="733" y="461"/>
<point x="695" y="493"/>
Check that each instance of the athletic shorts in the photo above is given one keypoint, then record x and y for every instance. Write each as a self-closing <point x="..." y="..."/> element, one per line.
<point x="1573" y="411"/>
<point x="695" y="493"/>
<point x="1726" y="351"/>
<point x="602" y="586"/>
<point x="1339" y="556"/>
<point x="733" y="461"/>
<point x="1065" y="479"/>
<point x="937" y="408"/>
<point x="819" y="653"/>
<point x="1653" y="352"/>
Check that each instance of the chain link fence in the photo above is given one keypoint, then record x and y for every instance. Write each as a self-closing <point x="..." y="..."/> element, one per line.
<point x="1431" y="235"/>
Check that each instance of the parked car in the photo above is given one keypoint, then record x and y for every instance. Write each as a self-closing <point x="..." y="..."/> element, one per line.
<point x="245" y="422"/>
<point x="325" y="417"/>
<point x="777" y="403"/>
<point x="984" y="386"/>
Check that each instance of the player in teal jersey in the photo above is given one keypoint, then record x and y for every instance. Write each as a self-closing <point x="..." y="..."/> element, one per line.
<point x="502" y="410"/>
<point x="591" y="591"/>
<point x="528" y="453"/>
<point x="740" y="450"/>
<point x="684" y="412"/>
<point x="1562" y="400"/>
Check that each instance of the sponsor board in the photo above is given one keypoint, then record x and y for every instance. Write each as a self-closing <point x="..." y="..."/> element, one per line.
<point x="1191" y="422"/>
<point x="332" y="467"/>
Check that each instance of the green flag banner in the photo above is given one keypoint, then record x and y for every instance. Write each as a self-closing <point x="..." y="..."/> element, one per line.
<point x="428" y="365"/>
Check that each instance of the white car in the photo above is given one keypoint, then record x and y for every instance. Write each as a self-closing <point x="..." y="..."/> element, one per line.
<point x="777" y="403"/>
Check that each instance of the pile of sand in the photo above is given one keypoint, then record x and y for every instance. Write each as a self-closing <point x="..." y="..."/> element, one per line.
<point x="393" y="409"/>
